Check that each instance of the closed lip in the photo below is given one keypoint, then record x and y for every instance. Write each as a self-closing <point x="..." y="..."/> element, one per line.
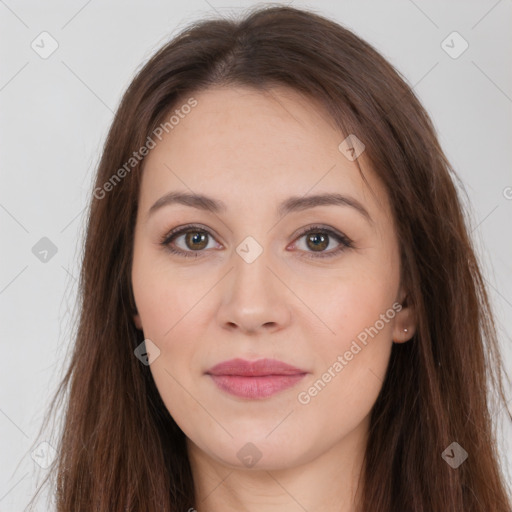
<point x="258" y="368"/>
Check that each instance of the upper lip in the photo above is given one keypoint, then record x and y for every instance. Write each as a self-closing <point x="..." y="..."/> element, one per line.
<point x="257" y="368"/>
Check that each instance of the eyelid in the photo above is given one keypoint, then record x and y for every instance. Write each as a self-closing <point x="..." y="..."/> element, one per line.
<point x="343" y="240"/>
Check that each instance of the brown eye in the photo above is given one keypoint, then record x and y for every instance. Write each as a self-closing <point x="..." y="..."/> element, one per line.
<point x="317" y="241"/>
<point x="196" y="240"/>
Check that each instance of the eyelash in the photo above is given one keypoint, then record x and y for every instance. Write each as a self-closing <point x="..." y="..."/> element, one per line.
<point x="345" y="242"/>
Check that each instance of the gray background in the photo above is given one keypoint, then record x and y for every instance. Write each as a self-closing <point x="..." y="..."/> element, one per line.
<point x="56" y="113"/>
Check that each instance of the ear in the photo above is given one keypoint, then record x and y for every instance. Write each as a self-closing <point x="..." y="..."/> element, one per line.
<point x="405" y="322"/>
<point x="137" y="321"/>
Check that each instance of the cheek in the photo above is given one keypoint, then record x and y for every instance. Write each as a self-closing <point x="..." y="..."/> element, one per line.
<point x="169" y="315"/>
<point x="351" y="361"/>
<point x="163" y="298"/>
<point x="353" y="308"/>
<point x="341" y="394"/>
<point x="171" y="311"/>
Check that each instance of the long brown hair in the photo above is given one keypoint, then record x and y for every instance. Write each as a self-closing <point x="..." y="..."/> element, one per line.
<point x="121" y="450"/>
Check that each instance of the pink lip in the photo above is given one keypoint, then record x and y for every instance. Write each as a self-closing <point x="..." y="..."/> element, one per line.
<point x="255" y="379"/>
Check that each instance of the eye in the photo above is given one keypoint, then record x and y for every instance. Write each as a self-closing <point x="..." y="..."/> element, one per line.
<point x="197" y="238"/>
<point x="318" y="239"/>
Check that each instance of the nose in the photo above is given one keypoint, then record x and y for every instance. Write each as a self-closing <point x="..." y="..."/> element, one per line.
<point x="255" y="298"/>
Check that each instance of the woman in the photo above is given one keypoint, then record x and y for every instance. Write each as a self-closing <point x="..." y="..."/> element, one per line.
<point x="281" y="307"/>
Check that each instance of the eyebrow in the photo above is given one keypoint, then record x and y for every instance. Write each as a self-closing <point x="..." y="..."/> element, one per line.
<point x="292" y="204"/>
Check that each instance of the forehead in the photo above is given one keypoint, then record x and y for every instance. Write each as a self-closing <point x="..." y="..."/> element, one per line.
<point x="267" y="126"/>
<point x="240" y="142"/>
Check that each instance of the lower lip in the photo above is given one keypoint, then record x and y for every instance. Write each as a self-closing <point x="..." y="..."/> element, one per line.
<point x="256" y="387"/>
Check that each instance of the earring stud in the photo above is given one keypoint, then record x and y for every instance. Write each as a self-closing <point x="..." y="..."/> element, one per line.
<point x="405" y="330"/>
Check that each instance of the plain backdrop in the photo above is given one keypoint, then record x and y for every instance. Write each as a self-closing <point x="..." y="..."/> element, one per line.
<point x="55" y="113"/>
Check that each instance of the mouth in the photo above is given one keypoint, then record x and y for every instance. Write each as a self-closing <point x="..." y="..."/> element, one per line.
<point x="255" y="379"/>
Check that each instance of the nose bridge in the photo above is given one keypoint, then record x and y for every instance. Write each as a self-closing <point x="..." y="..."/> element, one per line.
<point x="254" y="297"/>
<point x="251" y="277"/>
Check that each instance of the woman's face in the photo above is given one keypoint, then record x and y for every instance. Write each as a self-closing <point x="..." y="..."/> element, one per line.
<point x="263" y="275"/>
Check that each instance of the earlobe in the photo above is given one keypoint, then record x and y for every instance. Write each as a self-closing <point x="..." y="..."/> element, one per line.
<point x="404" y="334"/>
<point x="405" y="323"/>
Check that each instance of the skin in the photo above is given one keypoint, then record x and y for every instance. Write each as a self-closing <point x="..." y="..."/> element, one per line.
<point x="253" y="150"/>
